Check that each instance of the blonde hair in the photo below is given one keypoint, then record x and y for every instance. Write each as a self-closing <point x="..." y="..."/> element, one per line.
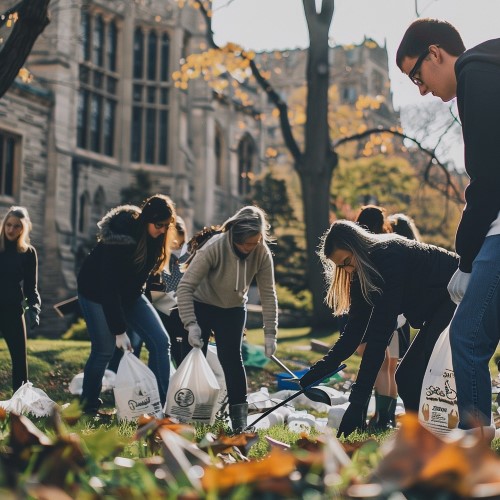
<point x="163" y="248"/>
<point x="23" y="243"/>
<point x="347" y="235"/>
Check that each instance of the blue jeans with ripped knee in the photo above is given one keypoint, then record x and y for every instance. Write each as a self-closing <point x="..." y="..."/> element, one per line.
<point x="474" y="336"/>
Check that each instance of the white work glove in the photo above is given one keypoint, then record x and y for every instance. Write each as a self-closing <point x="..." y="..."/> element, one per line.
<point x="458" y="285"/>
<point x="270" y="344"/>
<point x="123" y="342"/>
<point x="194" y="335"/>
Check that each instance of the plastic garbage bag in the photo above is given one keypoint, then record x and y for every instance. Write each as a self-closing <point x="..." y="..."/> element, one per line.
<point x="136" y="389"/>
<point x="29" y="400"/>
<point x="213" y="361"/>
<point x="438" y="398"/>
<point x="193" y="390"/>
<point x="108" y="382"/>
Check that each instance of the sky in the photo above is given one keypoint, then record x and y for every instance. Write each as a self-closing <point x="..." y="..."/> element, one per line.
<point x="280" y="24"/>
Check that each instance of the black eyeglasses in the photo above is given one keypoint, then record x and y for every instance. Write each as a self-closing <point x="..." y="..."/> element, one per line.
<point x="161" y="225"/>
<point x="411" y="75"/>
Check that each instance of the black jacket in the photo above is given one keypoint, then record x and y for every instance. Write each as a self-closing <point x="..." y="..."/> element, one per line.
<point x="414" y="280"/>
<point x="478" y="99"/>
<point x="109" y="275"/>
<point x="18" y="278"/>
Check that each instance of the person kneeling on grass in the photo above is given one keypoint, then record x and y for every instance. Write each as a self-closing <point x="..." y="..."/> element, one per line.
<point x="375" y="278"/>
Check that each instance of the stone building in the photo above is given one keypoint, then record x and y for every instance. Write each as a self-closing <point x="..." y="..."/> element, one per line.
<point x="102" y="107"/>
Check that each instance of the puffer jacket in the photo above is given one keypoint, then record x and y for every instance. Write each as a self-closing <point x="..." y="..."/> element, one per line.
<point x="109" y="275"/>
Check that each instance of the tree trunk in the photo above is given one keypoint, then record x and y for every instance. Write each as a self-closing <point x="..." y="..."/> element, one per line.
<point x="32" y="19"/>
<point x="316" y="166"/>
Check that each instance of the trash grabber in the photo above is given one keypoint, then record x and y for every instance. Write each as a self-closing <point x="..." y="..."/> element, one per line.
<point x="293" y="396"/>
<point x="313" y="393"/>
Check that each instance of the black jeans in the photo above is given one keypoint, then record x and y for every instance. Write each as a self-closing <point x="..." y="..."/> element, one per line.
<point x="13" y="329"/>
<point x="410" y="372"/>
<point x="227" y="325"/>
<point x="179" y="347"/>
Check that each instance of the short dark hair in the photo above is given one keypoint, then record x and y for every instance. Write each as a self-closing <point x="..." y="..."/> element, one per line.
<point x="425" y="32"/>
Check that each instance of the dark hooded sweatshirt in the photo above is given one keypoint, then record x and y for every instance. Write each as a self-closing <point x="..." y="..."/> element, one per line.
<point x="478" y="99"/>
<point x="109" y="275"/>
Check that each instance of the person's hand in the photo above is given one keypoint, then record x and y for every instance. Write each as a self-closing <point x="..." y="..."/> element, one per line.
<point x="354" y="419"/>
<point x="32" y="318"/>
<point x="194" y="335"/>
<point x="123" y="342"/>
<point x="270" y="344"/>
<point x="315" y="374"/>
<point x="458" y="285"/>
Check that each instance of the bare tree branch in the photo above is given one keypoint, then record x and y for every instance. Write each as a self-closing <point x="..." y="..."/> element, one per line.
<point x="450" y="191"/>
<point x="32" y="19"/>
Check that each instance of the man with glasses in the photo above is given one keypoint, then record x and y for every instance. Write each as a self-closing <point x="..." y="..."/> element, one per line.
<point x="433" y="55"/>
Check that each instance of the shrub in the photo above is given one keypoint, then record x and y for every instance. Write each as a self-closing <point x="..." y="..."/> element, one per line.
<point x="77" y="331"/>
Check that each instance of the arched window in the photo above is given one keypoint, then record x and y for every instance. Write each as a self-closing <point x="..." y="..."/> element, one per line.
<point x="247" y="161"/>
<point x="99" y="82"/>
<point x="98" y="208"/>
<point x="150" y="94"/>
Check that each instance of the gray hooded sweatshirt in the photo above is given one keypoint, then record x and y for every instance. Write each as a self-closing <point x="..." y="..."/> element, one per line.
<point x="216" y="276"/>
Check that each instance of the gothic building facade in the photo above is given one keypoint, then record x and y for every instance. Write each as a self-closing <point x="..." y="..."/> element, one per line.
<point x="102" y="107"/>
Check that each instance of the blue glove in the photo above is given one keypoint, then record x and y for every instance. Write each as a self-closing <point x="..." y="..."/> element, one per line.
<point x="354" y="419"/>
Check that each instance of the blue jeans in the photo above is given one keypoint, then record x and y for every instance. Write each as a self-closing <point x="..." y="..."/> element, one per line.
<point x="474" y="336"/>
<point x="140" y="317"/>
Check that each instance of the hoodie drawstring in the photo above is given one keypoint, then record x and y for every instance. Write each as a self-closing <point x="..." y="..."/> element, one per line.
<point x="238" y="275"/>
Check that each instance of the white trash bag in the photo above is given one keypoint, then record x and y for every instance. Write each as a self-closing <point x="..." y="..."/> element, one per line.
<point x="213" y="361"/>
<point x="193" y="391"/>
<point x="108" y="382"/>
<point x="29" y="400"/>
<point x="438" y="410"/>
<point x="136" y="389"/>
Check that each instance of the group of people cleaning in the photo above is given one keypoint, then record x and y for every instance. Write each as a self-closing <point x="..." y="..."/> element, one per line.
<point x="373" y="277"/>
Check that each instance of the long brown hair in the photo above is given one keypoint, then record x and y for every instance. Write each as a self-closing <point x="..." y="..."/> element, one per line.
<point x="163" y="247"/>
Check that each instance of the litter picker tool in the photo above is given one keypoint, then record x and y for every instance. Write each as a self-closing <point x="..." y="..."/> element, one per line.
<point x="314" y="393"/>
<point x="298" y="393"/>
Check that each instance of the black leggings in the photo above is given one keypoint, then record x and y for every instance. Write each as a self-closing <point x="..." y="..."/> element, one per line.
<point x="13" y="329"/>
<point x="227" y="325"/>
<point x="411" y="370"/>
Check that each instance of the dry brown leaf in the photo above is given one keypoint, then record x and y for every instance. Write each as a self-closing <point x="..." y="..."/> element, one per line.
<point x="278" y="464"/>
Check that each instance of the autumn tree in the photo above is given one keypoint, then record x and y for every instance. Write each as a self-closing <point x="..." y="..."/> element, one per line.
<point x="315" y="157"/>
<point x="24" y="22"/>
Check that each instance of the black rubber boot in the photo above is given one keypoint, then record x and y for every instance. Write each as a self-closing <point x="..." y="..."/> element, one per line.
<point x="238" y="414"/>
<point x="386" y="403"/>
<point x="392" y="413"/>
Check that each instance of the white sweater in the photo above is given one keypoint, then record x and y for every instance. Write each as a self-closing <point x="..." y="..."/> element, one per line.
<point x="216" y="276"/>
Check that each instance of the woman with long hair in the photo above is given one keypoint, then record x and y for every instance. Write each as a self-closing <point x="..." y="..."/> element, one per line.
<point x="375" y="278"/>
<point x="213" y="293"/>
<point x="19" y="298"/>
<point x="132" y="243"/>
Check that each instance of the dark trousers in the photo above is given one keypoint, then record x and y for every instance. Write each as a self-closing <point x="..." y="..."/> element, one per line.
<point x="227" y="325"/>
<point x="13" y="329"/>
<point x="179" y="347"/>
<point x="410" y="372"/>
